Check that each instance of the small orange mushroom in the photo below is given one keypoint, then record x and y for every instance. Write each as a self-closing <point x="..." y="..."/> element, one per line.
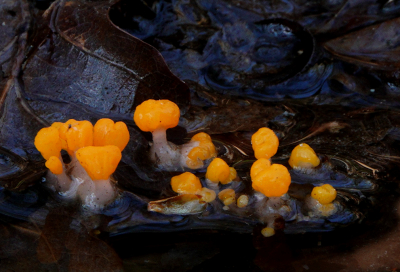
<point x="155" y="114"/>
<point x="219" y="171"/>
<point x="106" y="132"/>
<point x="99" y="161"/>
<point x="186" y="183"/>
<point x="303" y="156"/>
<point x="205" y="150"/>
<point x="325" y="194"/>
<point x="265" y="143"/>
<point x="272" y="181"/>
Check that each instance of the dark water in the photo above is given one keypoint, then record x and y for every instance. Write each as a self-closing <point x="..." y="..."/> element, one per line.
<point x="325" y="73"/>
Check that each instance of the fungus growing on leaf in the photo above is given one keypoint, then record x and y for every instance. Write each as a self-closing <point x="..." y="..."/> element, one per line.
<point x="88" y="174"/>
<point x="156" y="116"/>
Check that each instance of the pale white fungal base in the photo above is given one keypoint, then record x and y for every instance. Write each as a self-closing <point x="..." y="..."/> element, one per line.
<point x="212" y="185"/>
<point x="268" y="209"/>
<point x="168" y="156"/>
<point x="75" y="183"/>
<point x="317" y="209"/>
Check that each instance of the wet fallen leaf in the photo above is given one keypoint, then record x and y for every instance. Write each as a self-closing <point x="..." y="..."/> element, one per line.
<point x="375" y="46"/>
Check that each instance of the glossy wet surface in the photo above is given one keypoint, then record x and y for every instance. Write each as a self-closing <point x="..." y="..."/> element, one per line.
<point x="324" y="73"/>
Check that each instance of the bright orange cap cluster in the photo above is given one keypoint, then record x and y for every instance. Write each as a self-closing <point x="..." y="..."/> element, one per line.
<point x="186" y="183"/>
<point x="271" y="180"/>
<point x="205" y="150"/>
<point x="74" y="135"/>
<point x="154" y="114"/>
<point x="325" y="194"/>
<point x="219" y="171"/>
<point x="303" y="156"/>
<point x="265" y="143"/>
<point x="99" y="161"/>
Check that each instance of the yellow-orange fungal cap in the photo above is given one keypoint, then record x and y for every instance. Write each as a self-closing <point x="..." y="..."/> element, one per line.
<point x="267" y="232"/>
<point x="218" y="171"/>
<point x="273" y="181"/>
<point x="206" y="194"/>
<point x="54" y="165"/>
<point x="205" y="150"/>
<point x="79" y="134"/>
<point x="201" y="137"/>
<point x="154" y="114"/>
<point x="194" y="164"/>
<point x="47" y="141"/>
<point x="227" y="196"/>
<point x="63" y="127"/>
<point x="265" y="143"/>
<point x="196" y="156"/>
<point x="186" y="183"/>
<point x="258" y="166"/>
<point x="198" y="153"/>
<point x="99" y="161"/>
<point x="209" y="147"/>
<point x="58" y="125"/>
<point x="242" y="201"/>
<point x="325" y="194"/>
<point x="303" y="156"/>
<point x="106" y="132"/>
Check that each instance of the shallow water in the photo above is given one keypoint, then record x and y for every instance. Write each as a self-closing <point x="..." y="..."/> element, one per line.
<point x="310" y="71"/>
